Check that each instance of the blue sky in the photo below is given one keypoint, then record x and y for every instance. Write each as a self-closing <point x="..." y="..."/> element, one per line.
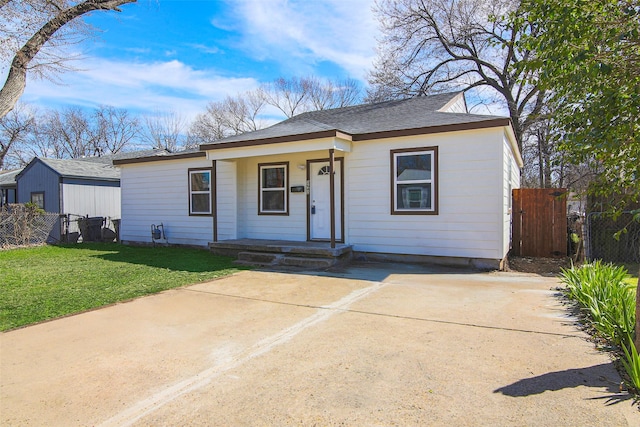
<point x="178" y="55"/>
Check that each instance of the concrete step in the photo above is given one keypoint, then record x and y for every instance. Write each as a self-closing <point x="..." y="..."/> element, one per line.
<point x="263" y="258"/>
<point x="274" y="259"/>
<point x="294" y="261"/>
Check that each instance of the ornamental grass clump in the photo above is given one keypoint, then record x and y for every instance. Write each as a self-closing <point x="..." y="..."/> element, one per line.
<point x="608" y="304"/>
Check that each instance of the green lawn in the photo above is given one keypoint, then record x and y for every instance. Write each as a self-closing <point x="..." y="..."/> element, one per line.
<point x="45" y="282"/>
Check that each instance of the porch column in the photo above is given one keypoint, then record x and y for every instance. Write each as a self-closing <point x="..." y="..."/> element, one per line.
<point x="332" y="196"/>
<point x="214" y="200"/>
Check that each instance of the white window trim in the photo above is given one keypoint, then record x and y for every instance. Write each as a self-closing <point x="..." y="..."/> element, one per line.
<point x="283" y="189"/>
<point x="192" y="192"/>
<point x="432" y="181"/>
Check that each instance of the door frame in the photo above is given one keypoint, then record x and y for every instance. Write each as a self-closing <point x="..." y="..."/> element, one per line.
<point x="325" y="160"/>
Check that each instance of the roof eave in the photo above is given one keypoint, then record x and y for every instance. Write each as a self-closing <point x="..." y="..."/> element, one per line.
<point x="490" y="123"/>
<point x="90" y="178"/>
<point x="159" y="158"/>
<point x="277" y="139"/>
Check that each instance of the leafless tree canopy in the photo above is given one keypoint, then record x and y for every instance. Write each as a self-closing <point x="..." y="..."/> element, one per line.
<point x="115" y="128"/>
<point x="29" y="26"/>
<point x="66" y="133"/>
<point x="442" y="45"/>
<point x="165" y="129"/>
<point x="297" y="95"/>
<point x="245" y="112"/>
<point x="15" y="128"/>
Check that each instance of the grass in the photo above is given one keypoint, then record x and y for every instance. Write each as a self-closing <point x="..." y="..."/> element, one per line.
<point x="46" y="282"/>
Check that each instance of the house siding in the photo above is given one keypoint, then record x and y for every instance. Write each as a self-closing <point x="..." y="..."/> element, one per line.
<point x="473" y="206"/>
<point x="469" y="222"/>
<point x="282" y="227"/>
<point x="511" y="180"/>
<point x="158" y="192"/>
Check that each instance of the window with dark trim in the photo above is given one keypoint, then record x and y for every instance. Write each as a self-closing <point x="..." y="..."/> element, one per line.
<point x="37" y="199"/>
<point x="200" y="188"/>
<point x="272" y="189"/>
<point x="414" y="186"/>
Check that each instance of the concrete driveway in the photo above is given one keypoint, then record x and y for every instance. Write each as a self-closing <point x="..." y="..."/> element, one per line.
<point x="368" y="345"/>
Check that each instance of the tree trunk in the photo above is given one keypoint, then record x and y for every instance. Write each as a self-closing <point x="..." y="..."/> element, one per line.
<point x="17" y="79"/>
<point x="12" y="89"/>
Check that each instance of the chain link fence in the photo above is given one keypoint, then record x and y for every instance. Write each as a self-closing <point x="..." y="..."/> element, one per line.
<point x="22" y="225"/>
<point x="601" y="242"/>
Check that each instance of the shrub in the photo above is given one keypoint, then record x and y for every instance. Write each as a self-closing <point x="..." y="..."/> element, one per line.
<point x="24" y="224"/>
<point x="608" y="303"/>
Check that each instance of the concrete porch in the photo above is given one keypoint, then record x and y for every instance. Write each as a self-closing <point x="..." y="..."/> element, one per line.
<point x="316" y="255"/>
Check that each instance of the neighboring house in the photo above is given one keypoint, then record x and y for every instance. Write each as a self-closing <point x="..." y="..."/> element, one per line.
<point x="417" y="179"/>
<point x="8" y="187"/>
<point x="75" y="187"/>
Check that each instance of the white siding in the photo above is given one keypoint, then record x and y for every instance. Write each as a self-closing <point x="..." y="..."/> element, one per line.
<point x="469" y="222"/>
<point x="281" y="227"/>
<point x="227" y="200"/>
<point x="456" y="105"/>
<point x="473" y="185"/>
<point x="91" y="200"/>
<point x="511" y="180"/>
<point x="158" y="192"/>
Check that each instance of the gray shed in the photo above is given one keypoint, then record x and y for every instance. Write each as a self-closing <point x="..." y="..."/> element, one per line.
<point x="70" y="187"/>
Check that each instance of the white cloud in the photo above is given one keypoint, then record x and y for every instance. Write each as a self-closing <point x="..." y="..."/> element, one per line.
<point x="141" y="87"/>
<point x="301" y="33"/>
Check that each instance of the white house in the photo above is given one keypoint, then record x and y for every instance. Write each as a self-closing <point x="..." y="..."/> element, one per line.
<point x="418" y="179"/>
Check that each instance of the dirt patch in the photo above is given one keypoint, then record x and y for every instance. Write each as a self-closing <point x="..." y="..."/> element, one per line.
<point x="543" y="266"/>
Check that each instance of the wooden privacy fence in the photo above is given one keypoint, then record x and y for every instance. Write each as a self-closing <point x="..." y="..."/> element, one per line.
<point x="539" y="222"/>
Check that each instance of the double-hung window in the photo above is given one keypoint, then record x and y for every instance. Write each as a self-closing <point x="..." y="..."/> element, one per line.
<point x="200" y="192"/>
<point x="37" y="198"/>
<point x="414" y="181"/>
<point x="273" y="189"/>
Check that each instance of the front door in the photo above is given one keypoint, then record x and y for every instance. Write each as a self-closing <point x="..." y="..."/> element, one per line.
<point x="319" y="209"/>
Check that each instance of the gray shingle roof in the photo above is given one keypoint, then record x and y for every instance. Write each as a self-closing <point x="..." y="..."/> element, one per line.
<point x="109" y="158"/>
<point x="8" y="178"/>
<point x="83" y="169"/>
<point x="414" y="113"/>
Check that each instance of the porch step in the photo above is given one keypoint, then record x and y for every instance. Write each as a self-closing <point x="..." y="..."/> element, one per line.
<point x="311" y="255"/>
<point x="274" y="259"/>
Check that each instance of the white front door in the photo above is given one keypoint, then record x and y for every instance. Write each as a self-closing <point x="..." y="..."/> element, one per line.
<point x="320" y="201"/>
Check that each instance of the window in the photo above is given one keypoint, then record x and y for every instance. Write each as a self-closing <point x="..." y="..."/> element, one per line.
<point x="200" y="192"/>
<point x="414" y="181"/>
<point x="273" y="189"/>
<point x="38" y="199"/>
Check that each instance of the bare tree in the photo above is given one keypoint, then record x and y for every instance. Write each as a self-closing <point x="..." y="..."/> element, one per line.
<point x="115" y="129"/>
<point x="287" y="95"/>
<point x="322" y="95"/>
<point x="30" y="25"/>
<point x="441" y="45"/>
<point x="232" y="116"/>
<point x="165" y="129"/>
<point x="67" y="134"/>
<point x="243" y="113"/>
<point x="14" y="130"/>
<point x="298" y="95"/>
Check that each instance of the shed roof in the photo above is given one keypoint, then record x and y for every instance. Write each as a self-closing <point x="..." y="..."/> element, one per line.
<point x="68" y="168"/>
<point x="8" y="178"/>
